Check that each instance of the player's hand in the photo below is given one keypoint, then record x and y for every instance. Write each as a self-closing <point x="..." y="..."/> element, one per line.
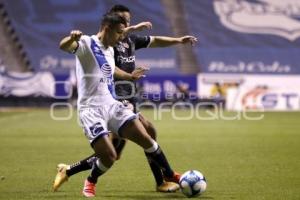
<point x="139" y="73"/>
<point x="75" y="35"/>
<point x="189" y="39"/>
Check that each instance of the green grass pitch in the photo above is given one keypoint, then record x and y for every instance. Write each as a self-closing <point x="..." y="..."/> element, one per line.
<point x="241" y="159"/>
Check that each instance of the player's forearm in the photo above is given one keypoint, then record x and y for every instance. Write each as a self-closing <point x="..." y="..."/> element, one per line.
<point x="120" y="74"/>
<point x="162" y="41"/>
<point x="68" y="44"/>
<point x="138" y="27"/>
<point x="129" y="30"/>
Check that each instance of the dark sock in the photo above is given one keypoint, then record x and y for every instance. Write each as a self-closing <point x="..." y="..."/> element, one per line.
<point x="160" y="159"/>
<point x="83" y="165"/>
<point x="155" y="171"/>
<point x="95" y="173"/>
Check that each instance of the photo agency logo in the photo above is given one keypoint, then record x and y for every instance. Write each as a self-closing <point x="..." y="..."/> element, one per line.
<point x="179" y="110"/>
<point x="273" y="17"/>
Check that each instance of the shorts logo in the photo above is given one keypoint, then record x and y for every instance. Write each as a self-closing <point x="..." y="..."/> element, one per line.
<point x="119" y="111"/>
<point x="275" y="17"/>
<point x="96" y="129"/>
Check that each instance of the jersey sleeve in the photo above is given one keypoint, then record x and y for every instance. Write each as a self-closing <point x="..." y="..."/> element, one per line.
<point x="140" y="41"/>
<point x="83" y="45"/>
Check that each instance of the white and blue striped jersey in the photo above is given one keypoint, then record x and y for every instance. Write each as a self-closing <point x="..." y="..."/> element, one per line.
<point x="95" y="67"/>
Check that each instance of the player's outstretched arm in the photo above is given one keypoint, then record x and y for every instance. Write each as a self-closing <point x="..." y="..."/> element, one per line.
<point x="138" y="73"/>
<point x="164" y="41"/>
<point x="70" y="43"/>
<point x="138" y="27"/>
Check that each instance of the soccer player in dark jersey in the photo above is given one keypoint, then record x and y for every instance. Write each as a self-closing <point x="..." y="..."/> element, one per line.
<point x="125" y="60"/>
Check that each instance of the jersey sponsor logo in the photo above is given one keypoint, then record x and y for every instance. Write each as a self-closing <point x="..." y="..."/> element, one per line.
<point x="129" y="59"/>
<point x="107" y="73"/>
<point x="108" y="81"/>
<point x="106" y="70"/>
<point x="275" y="17"/>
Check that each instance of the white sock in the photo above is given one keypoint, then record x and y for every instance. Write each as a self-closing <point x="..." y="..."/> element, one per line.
<point x="101" y="166"/>
<point x="153" y="148"/>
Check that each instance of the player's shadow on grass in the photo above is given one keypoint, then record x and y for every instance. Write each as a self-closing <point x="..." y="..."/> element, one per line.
<point x="146" y="195"/>
<point x="128" y="194"/>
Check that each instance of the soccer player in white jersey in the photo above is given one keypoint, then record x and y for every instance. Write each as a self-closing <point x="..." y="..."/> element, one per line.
<point x="98" y="111"/>
<point x="125" y="60"/>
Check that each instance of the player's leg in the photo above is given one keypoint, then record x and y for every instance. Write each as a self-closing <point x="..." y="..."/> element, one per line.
<point x="161" y="185"/>
<point x="94" y="123"/>
<point x="125" y="112"/>
<point x="83" y="165"/>
<point x="131" y="104"/>
<point x="64" y="171"/>
<point x="119" y="145"/>
<point x="148" y="126"/>
<point x="106" y="156"/>
<point x="134" y="131"/>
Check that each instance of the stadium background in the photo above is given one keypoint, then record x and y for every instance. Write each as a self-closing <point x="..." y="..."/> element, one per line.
<point x="233" y="50"/>
<point x="247" y="58"/>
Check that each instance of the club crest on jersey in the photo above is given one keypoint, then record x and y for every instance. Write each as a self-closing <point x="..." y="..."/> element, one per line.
<point x="122" y="46"/>
<point x="275" y="17"/>
<point x="125" y="45"/>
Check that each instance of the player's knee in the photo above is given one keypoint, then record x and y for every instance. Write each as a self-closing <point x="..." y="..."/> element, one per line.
<point x="112" y="156"/>
<point x="109" y="159"/>
<point x="107" y="155"/>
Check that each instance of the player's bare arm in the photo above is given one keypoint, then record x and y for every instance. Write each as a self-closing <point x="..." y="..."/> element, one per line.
<point x="138" y="27"/>
<point x="164" y="41"/>
<point x="138" y="73"/>
<point x="70" y="43"/>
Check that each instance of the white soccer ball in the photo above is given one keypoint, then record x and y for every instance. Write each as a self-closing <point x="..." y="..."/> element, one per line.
<point x="192" y="183"/>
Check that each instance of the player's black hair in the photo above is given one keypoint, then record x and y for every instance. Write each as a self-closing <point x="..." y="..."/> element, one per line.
<point x="119" y="8"/>
<point x="112" y="19"/>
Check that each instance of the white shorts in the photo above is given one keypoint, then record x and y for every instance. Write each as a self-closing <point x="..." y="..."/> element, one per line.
<point x="97" y="122"/>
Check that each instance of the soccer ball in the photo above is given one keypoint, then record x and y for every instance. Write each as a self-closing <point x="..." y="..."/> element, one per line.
<point x="192" y="183"/>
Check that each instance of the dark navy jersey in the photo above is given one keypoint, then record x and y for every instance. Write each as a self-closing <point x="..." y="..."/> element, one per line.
<point x="125" y="60"/>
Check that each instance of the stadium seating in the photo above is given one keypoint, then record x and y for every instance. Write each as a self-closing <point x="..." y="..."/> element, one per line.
<point x="13" y="54"/>
<point x="43" y="23"/>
